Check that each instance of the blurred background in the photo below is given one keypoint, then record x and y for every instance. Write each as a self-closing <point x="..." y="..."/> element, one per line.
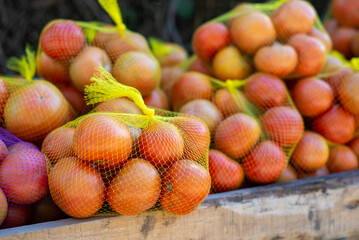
<point x="21" y="21"/>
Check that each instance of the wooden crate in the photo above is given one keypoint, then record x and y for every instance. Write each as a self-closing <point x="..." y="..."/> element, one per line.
<point x="317" y="208"/>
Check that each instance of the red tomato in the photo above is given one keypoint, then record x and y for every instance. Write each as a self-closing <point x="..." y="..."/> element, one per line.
<point x="226" y="174"/>
<point x="135" y="189"/>
<point x="102" y="139"/>
<point x="161" y="143"/>
<point x="265" y="163"/>
<point x="184" y="187"/>
<point x="76" y="187"/>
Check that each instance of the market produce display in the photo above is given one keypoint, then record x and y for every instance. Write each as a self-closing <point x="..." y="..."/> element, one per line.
<point x="117" y="124"/>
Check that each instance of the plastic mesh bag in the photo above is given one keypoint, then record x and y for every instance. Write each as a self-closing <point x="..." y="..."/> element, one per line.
<point x="76" y="48"/>
<point x="117" y="163"/>
<point x="269" y="64"/>
<point x="30" y="109"/>
<point x="248" y="63"/>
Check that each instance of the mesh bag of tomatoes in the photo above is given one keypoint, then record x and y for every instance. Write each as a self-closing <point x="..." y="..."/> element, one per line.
<point x="247" y="63"/>
<point x="23" y="179"/>
<point x="30" y="109"/>
<point x="70" y="51"/>
<point x="118" y="163"/>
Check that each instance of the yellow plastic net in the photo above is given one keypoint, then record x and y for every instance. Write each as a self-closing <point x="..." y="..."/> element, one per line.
<point x="107" y="163"/>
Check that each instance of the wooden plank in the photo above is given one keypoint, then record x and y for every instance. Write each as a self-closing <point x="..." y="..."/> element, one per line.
<point x="318" y="208"/>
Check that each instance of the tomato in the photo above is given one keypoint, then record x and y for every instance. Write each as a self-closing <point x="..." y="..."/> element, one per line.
<point x="59" y="144"/>
<point x="289" y="174"/>
<point x="161" y="143"/>
<point x="62" y="40"/>
<point x="34" y="110"/>
<point x="135" y="189"/>
<point x="265" y="90"/>
<point x="76" y="187"/>
<point x="265" y="163"/>
<point x="53" y="71"/>
<point x="23" y="176"/>
<point x="311" y="152"/>
<point x="102" y="139"/>
<point x="341" y="159"/>
<point x="185" y="185"/>
<point x="335" y="124"/>
<point x="196" y="137"/>
<point x="284" y="125"/>
<point x="236" y="135"/>
<point x="226" y="174"/>
<point x="208" y="39"/>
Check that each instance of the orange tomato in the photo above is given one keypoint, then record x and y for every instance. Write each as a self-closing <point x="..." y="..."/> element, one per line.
<point x="265" y="90"/>
<point x="227" y="104"/>
<point x="135" y="189"/>
<point x="251" y="31"/>
<point x="208" y="39"/>
<point x="59" y="144"/>
<point x="190" y="86"/>
<point x="311" y="54"/>
<point x="312" y="96"/>
<point x="52" y="70"/>
<point x="226" y="174"/>
<point x="23" y="176"/>
<point x="206" y="111"/>
<point x="76" y="187"/>
<point x="139" y="70"/>
<point x="293" y="17"/>
<point x="336" y="125"/>
<point x="62" y="40"/>
<point x="157" y="99"/>
<point x="265" y="163"/>
<point x="236" y="135"/>
<point x="75" y="98"/>
<point x="161" y="143"/>
<point x="34" y="110"/>
<point x="196" y="136"/>
<point x="85" y="65"/>
<point x="311" y="152"/>
<point x="102" y="139"/>
<point x="283" y="125"/>
<point x="184" y="187"/>
<point x="289" y="174"/>
<point x="129" y="41"/>
<point x="342" y="159"/>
